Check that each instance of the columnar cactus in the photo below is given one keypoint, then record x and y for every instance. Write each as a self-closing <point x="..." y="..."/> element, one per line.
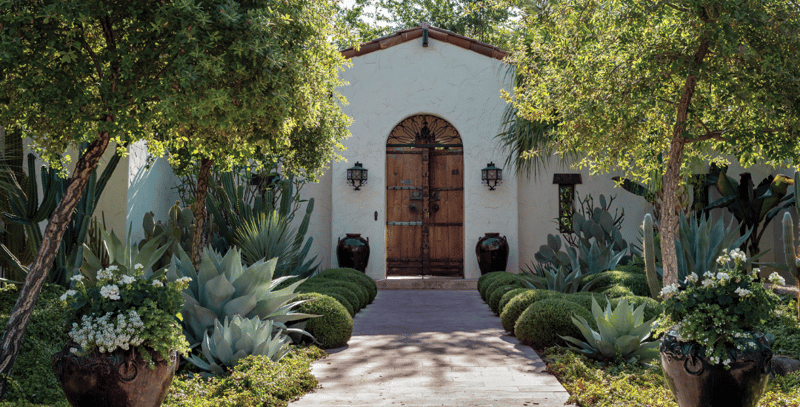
<point x="650" y="257"/>
<point x="791" y="252"/>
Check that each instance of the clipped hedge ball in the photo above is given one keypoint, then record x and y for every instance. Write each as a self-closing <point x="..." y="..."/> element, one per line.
<point x="349" y="295"/>
<point x="361" y="298"/>
<point x="496" y="295"/>
<point x="633" y="281"/>
<point x="518" y="304"/>
<point x="354" y="276"/>
<point x="486" y="279"/>
<point x="335" y="326"/>
<point x="617" y="292"/>
<point x="340" y="294"/>
<point x="541" y="323"/>
<point x="499" y="281"/>
<point x="508" y="297"/>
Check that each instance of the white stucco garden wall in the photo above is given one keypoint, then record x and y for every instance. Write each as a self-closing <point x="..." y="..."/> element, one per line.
<point x="148" y="189"/>
<point x="458" y="85"/>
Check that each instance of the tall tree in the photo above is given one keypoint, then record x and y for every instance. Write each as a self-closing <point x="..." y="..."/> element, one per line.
<point x="695" y="80"/>
<point x="479" y="19"/>
<point x="261" y="80"/>
<point x="99" y="71"/>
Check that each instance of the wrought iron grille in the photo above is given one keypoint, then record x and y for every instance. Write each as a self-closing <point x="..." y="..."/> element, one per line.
<point x="424" y="131"/>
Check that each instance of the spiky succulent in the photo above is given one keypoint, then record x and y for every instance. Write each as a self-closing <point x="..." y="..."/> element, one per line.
<point x="236" y="338"/>
<point x="224" y="287"/>
<point x="621" y="333"/>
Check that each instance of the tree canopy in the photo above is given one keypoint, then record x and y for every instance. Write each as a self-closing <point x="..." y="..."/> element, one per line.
<point x="696" y="81"/>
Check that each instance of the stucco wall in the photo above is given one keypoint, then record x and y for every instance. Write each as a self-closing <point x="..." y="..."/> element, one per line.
<point x="388" y="86"/>
<point x="148" y="190"/>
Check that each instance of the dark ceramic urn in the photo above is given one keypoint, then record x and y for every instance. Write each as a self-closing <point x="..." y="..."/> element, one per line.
<point x="353" y="252"/>
<point x="696" y="383"/>
<point x="120" y="378"/>
<point x="492" y="252"/>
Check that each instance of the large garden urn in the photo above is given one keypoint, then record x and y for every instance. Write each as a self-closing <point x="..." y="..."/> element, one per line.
<point x="696" y="383"/>
<point x="119" y="378"/>
<point x="492" y="252"/>
<point x="353" y="252"/>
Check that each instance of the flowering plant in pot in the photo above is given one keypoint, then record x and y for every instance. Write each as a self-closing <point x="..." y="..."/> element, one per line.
<point x="125" y="333"/>
<point x="713" y="355"/>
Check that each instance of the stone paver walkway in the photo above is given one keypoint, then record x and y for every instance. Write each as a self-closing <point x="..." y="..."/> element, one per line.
<point x="432" y="348"/>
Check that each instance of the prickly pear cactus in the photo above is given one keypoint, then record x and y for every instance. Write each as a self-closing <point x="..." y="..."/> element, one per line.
<point x="178" y="226"/>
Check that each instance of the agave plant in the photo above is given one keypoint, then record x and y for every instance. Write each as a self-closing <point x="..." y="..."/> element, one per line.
<point x="700" y="242"/>
<point x="549" y="277"/>
<point x="223" y="287"/>
<point x="269" y="235"/>
<point x="621" y="332"/>
<point x="238" y="338"/>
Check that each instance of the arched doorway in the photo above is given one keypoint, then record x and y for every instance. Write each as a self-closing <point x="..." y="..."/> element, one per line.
<point x="424" y="199"/>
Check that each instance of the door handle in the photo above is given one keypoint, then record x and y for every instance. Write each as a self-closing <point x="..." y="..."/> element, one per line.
<point x="435" y="208"/>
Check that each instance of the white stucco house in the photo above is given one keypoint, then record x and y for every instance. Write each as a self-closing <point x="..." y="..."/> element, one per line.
<point x="426" y="106"/>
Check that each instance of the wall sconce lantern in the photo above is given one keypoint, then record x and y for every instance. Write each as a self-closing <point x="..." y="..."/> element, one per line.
<point x="491" y="176"/>
<point x="357" y="176"/>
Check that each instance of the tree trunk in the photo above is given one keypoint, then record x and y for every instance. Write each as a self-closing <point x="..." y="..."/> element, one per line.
<point x="53" y="234"/>
<point x="670" y="206"/>
<point x="200" y="209"/>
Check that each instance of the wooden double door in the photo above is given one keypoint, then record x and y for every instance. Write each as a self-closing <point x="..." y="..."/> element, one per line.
<point x="424" y="199"/>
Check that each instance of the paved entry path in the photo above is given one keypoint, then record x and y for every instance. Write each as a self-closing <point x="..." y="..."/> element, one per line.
<point x="432" y="348"/>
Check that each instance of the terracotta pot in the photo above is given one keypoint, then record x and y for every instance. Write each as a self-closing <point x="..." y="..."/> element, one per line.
<point x="695" y="383"/>
<point x="120" y="378"/>
<point x="492" y="252"/>
<point x="353" y="252"/>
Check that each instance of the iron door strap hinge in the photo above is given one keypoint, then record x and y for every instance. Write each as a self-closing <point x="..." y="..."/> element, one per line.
<point x="418" y="223"/>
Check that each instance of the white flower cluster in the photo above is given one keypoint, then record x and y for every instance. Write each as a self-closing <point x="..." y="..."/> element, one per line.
<point x="77" y="278"/>
<point x="68" y="294"/>
<point x="110" y="291"/>
<point x="157" y="283"/>
<point x="107" y="273"/>
<point x="776" y="279"/>
<point x="722" y="277"/>
<point x="108" y="333"/>
<point x="126" y="279"/>
<point x="691" y="278"/>
<point x="669" y="289"/>
<point x="742" y="292"/>
<point x="184" y="280"/>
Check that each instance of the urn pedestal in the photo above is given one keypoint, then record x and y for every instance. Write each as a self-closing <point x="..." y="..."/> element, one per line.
<point x="492" y="252"/>
<point x="353" y="252"/>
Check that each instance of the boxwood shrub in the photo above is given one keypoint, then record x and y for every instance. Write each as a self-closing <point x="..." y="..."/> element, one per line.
<point x="518" y="304"/>
<point x="508" y="297"/>
<point x="359" y="296"/>
<point x="488" y="278"/>
<point x="355" y="276"/>
<point x="498" y="293"/>
<point x="340" y="294"/>
<point x="635" y="282"/>
<point x="334" y="328"/>
<point x="503" y="279"/>
<point x="540" y="324"/>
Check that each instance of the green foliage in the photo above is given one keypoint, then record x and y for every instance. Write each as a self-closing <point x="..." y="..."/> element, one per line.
<point x="355" y="276"/>
<point x="33" y="379"/>
<point x="496" y="295"/>
<point x="635" y="282"/>
<point x="26" y="212"/>
<point x="224" y="287"/>
<point x="653" y="284"/>
<point x="126" y="256"/>
<point x="652" y="308"/>
<point x="269" y="236"/>
<point x="338" y="293"/>
<point x="790" y="254"/>
<point x="485" y="279"/>
<point x="507" y="297"/>
<point x="335" y="326"/>
<point x="255" y="381"/>
<point x="720" y="310"/>
<point x="617" y="292"/>
<point x="621" y="332"/>
<point x="700" y="242"/>
<point x="238" y="338"/>
<point x="136" y="309"/>
<point x="561" y="279"/>
<point x="753" y="207"/>
<point x="520" y="303"/>
<point x="355" y="293"/>
<point x="784" y="327"/>
<point x="543" y="322"/>
<point x="178" y="229"/>
<point x="502" y="278"/>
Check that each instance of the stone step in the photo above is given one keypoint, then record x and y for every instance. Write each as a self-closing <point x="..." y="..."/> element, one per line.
<point x="427" y="283"/>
